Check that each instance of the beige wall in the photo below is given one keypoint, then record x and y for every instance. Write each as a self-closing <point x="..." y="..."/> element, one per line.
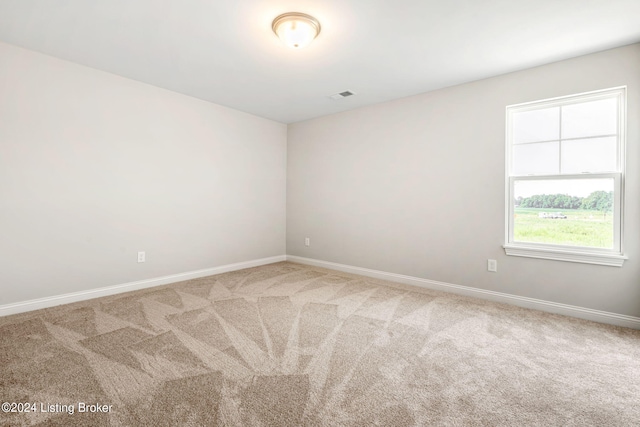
<point x="94" y="168"/>
<point x="416" y="186"/>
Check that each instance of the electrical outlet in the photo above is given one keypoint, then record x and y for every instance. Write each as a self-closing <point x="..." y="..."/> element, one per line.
<point x="307" y="241"/>
<point x="492" y="265"/>
<point x="141" y="256"/>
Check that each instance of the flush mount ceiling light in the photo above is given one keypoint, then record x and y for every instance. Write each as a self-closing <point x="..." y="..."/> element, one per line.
<point x="295" y="29"/>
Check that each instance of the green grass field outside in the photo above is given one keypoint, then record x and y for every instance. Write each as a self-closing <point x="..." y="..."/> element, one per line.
<point x="580" y="228"/>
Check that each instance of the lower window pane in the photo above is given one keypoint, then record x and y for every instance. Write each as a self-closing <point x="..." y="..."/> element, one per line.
<point x="571" y="212"/>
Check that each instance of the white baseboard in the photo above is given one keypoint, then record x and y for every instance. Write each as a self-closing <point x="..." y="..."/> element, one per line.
<point x="36" y="304"/>
<point x="536" y="304"/>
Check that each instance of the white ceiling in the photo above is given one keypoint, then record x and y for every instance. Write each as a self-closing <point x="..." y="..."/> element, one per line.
<point x="224" y="51"/>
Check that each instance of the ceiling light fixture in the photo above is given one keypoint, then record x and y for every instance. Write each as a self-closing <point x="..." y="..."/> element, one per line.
<point x="295" y="29"/>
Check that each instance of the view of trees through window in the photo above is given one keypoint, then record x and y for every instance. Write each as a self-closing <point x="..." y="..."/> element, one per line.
<point x="601" y="201"/>
<point x="579" y="216"/>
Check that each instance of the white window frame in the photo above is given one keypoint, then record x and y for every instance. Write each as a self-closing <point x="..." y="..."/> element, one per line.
<point x="611" y="257"/>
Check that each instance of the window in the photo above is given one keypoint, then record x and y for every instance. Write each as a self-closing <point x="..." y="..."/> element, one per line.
<point x="565" y="178"/>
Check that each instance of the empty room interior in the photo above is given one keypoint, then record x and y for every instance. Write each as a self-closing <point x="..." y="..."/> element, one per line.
<point x="336" y="213"/>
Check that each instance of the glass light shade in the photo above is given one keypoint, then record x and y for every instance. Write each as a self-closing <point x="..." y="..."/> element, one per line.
<point x="296" y="30"/>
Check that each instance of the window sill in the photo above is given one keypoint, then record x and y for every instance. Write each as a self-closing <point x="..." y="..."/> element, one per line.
<point x="610" y="259"/>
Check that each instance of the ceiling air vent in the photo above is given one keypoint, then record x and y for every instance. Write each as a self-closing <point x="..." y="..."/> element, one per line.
<point x="342" y="95"/>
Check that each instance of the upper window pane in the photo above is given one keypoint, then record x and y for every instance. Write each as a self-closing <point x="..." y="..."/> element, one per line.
<point x="594" y="118"/>
<point x="536" y="125"/>
<point x="589" y="155"/>
<point x="540" y="158"/>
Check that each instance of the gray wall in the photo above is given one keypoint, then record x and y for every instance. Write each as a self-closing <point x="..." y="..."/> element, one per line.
<point x="416" y="186"/>
<point x="94" y="168"/>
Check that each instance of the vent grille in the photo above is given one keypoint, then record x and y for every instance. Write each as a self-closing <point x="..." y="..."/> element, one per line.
<point x="342" y="95"/>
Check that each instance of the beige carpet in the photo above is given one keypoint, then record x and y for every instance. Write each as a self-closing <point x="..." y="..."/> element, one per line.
<point x="292" y="345"/>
